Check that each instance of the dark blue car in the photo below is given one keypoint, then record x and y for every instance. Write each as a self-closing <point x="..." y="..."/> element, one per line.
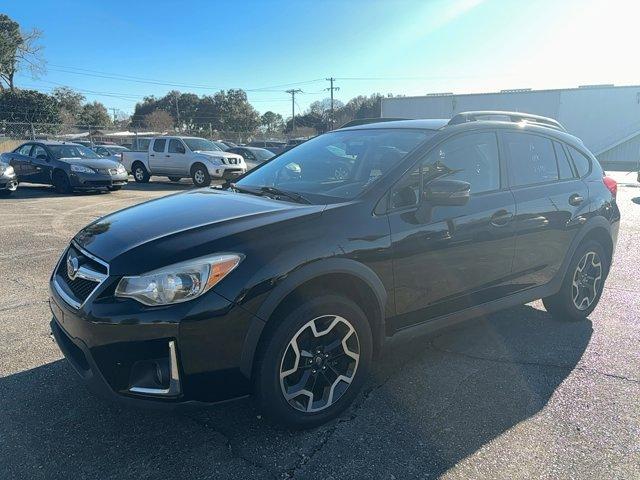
<point x="66" y="166"/>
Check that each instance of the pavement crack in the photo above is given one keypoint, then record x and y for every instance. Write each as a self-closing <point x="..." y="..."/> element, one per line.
<point x="233" y="450"/>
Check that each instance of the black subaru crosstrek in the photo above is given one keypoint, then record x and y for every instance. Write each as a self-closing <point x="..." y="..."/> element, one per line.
<point x="286" y="283"/>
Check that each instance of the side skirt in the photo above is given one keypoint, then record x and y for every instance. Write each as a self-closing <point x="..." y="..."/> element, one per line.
<point x="437" y="323"/>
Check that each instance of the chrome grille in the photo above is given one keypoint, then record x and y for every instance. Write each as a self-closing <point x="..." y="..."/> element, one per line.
<point x="108" y="171"/>
<point x="78" y="275"/>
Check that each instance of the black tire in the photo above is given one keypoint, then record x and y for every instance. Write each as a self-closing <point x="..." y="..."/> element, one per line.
<point x="175" y="179"/>
<point x="140" y="173"/>
<point x="200" y="175"/>
<point x="61" y="182"/>
<point x="563" y="305"/>
<point x="269" y="392"/>
<point x="114" y="188"/>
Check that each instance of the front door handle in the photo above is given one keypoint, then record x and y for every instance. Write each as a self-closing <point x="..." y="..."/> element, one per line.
<point x="576" y="199"/>
<point x="501" y="218"/>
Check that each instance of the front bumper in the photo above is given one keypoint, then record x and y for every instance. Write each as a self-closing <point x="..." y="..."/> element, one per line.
<point x="106" y="339"/>
<point x="90" y="181"/>
<point x="227" y="171"/>
<point x="9" y="182"/>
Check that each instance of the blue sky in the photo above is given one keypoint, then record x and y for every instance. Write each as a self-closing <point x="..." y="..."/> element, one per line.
<point x="401" y="47"/>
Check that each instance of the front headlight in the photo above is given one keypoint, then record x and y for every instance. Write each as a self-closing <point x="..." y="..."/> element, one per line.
<point x="180" y="282"/>
<point x="6" y="169"/>
<point x="81" y="169"/>
<point x="121" y="169"/>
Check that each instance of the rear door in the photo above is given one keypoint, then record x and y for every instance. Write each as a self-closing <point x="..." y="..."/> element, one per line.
<point x="550" y="203"/>
<point x="158" y="156"/>
<point x="447" y="258"/>
<point x="21" y="162"/>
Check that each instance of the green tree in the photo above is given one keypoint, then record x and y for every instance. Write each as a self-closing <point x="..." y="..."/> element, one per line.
<point x="69" y="103"/>
<point x="16" y="49"/>
<point x="159" y="121"/>
<point x="94" y="115"/>
<point x="272" y="122"/>
<point x="23" y="112"/>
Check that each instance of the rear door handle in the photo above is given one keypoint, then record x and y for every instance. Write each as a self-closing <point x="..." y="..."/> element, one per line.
<point x="501" y="218"/>
<point x="151" y="155"/>
<point x="576" y="199"/>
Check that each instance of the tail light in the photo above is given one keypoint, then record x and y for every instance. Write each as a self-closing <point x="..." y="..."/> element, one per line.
<point x="611" y="185"/>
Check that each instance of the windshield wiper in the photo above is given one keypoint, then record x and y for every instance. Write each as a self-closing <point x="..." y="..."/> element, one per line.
<point x="282" y="193"/>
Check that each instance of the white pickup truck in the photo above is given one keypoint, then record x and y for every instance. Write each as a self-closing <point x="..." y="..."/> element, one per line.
<point x="181" y="157"/>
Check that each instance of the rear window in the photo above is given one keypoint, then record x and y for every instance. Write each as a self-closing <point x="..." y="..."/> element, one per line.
<point x="581" y="162"/>
<point x="532" y="159"/>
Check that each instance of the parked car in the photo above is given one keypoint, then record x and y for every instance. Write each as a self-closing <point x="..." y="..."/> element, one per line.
<point x="228" y="143"/>
<point x="179" y="157"/>
<point x="274" y="146"/>
<point x="288" y="283"/>
<point x="221" y="145"/>
<point x="113" y="152"/>
<point x="8" y="179"/>
<point x="253" y="155"/>
<point x="66" y="166"/>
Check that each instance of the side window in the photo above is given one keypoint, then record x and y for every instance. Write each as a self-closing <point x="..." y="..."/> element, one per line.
<point x="564" y="165"/>
<point x="471" y="158"/>
<point x="406" y="192"/>
<point x="248" y="155"/>
<point x="175" y="146"/>
<point x="581" y="161"/>
<point x="532" y="159"/>
<point x="158" y="145"/>
<point x="24" y="149"/>
<point x="39" y="152"/>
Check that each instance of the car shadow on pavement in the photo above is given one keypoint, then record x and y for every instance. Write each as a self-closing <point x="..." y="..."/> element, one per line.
<point x="430" y="403"/>
<point x="29" y="191"/>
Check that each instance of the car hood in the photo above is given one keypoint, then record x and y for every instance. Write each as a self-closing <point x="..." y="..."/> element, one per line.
<point x="92" y="162"/>
<point x="182" y="226"/>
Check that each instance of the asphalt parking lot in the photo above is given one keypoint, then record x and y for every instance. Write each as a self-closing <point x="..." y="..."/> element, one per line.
<point x="512" y="395"/>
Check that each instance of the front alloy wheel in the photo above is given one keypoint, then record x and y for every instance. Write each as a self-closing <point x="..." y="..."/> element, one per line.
<point x="319" y="363"/>
<point x="313" y="360"/>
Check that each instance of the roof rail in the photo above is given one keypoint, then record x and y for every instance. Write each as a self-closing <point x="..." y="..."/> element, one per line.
<point x="366" y="121"/>
<point x="465" y="117"/>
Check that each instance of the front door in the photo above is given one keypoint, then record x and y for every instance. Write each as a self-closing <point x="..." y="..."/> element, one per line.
<point x="41" y="162"/>
<point x="177" y="157"/>
<point x="447" y="258"/>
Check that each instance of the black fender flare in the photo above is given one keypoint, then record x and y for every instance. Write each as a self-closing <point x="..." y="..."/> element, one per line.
<point x="589" y="226"/>
<point x="292" y="281"/>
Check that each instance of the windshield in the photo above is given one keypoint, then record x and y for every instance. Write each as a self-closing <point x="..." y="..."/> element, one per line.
<point x="338" y="164"/>
<point x="263" y="154"/>
<point x="72" y="151"/>
<point x="201" y="145"/>
<point x="116" y="148"/>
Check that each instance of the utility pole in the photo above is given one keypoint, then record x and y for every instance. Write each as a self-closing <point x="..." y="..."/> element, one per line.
<point x="331" y="89"/>
<point x="114" y="115"/>
<point x="293" y="92"/>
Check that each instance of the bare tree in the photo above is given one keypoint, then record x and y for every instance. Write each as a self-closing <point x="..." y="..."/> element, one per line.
<point x="18" y="49"/>
<point x="159" y="121"/>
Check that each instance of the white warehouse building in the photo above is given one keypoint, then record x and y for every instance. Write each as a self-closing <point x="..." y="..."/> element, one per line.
<point x="605" y="117"/>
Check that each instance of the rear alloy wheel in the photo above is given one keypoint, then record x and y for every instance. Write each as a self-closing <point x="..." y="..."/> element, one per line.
<point x="582" y="285"/>
<point x="200" y="176"/>
<point x="313" y="364"/>
<point x="140" y="173"/>
<point x="61" y="182"/>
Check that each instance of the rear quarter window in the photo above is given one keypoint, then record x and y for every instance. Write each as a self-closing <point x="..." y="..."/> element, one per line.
<point x="581" y="162"/>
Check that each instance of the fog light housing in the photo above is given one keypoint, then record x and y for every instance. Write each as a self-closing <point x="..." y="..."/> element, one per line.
<point x="158" y="377"/>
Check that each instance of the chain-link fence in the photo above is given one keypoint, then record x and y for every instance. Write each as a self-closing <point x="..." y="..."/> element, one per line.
<point x="14" y="133"/>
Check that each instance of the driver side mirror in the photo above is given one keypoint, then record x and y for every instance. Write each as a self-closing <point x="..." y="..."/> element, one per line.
<point x="447" y="192"/>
